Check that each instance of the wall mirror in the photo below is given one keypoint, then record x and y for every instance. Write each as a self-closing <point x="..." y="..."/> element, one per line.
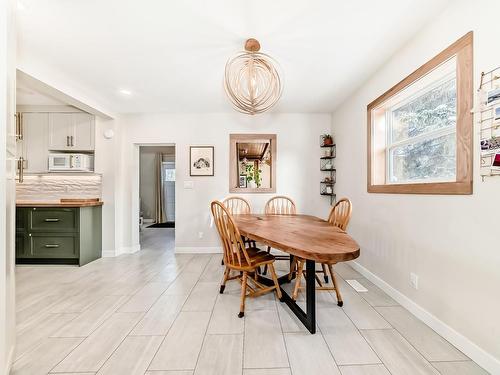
<point x="252" y="167"/>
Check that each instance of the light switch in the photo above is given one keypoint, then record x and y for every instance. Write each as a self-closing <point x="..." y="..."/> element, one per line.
<point x="188" y="184"/>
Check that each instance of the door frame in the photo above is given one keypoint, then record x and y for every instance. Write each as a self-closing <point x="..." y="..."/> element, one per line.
<point x="134" y="224"/>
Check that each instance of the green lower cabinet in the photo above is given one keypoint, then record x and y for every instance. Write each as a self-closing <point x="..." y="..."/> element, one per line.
<point x="58" y="235"/>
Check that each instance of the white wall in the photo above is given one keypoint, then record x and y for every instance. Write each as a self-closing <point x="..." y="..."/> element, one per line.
<point x="451" y="242"/>
<point x="7" y="184"/>
<point x="298" y="172"/>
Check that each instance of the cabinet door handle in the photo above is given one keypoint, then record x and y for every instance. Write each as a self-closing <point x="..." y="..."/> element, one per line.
<point x="20" y="166"/>
<point x="52" y="246"/>
<point x="72" y="143"/>
<point x="17" y="115"/>
<point x="67" y="140"/>
<point x="21" y="127"/>
<point x="49" y="220"/>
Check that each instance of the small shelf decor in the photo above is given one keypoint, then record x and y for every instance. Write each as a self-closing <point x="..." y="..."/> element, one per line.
<point x="488" y="117"/>
<point x="328" y="153"/>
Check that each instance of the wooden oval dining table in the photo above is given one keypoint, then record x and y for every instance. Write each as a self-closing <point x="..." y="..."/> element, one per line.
<point x="304" y="236"/>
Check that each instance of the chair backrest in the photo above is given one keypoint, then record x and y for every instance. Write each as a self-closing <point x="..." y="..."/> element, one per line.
<point x="234" y="249"/>
<point x="237" y="205"/>
<point x="340" y="214"/>
<point x="280" y="205"/>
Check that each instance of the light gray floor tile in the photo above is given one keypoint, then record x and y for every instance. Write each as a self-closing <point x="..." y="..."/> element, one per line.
<point x="267" y="371"/>
<point x="144" y="298"/>
<point x="289" y="322"/>
<point x="362" y="314"/>
<point x="169" y="373"/>
<point x="197" y="264"/>
<point x="225" y="315"/>
<point x="45" y="356"/>
<point x="375" y="296"/>
<point x="396" y="353"/>
<point x="309" y="355"/>
<point x="432" y="346"/>
<point x="364" y="370"/>
<point x="221" y="355"/>
<point x="182" y="345"/>
<point x="347" y="345"/>
<point x="213" y="271"/>
<point x="183" y="284"/>
<point x="132" y="356"/>
<point x="264" y="343"/>
<point x="346" y="271"/>
<point x="76" y="304"/>
<point x="159" y="319"/>
<point x="96" y="349"/>
<point x="85" y="323"/>
<point x="459" y="368"/>
<point x="203" y="297"/>
<point x="32" y="335"/>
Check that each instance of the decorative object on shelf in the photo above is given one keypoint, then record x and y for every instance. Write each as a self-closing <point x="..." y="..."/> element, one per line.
<point x="326" y="140"/>
<point x="201" y="160"/>
<point x="251" y="80"/>
<point x="489" y="121"/>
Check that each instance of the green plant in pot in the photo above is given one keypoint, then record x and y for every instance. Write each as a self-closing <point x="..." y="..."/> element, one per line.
<point x="253" y="176"/>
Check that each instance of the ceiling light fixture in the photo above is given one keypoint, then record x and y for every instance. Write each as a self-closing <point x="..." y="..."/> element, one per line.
<point x="252" y="81"/>
<point x="125" y="92"/>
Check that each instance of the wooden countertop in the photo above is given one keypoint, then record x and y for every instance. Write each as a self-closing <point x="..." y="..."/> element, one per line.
<point x="61" y="203"/>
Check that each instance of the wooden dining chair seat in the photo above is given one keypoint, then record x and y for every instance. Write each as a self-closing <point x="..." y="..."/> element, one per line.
<point x="339" y="216"/>
<point x="242" y="261"/>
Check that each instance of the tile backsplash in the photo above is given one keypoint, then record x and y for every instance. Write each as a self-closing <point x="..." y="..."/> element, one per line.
<point x="54" y="187"/>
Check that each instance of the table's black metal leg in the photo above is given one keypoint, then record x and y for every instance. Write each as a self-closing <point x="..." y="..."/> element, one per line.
<point x="311" y="295"/>
<point x="308" y="318"/>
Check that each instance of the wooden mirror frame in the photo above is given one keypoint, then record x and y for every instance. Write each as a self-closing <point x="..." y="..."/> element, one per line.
<point x="233" y="157"/>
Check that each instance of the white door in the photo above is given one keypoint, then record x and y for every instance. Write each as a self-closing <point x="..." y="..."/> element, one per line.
<point x="169" y="189"/>
<point x="35" y="141"/>
<point x="84" y="132"/>
<point x="61" y="130"/>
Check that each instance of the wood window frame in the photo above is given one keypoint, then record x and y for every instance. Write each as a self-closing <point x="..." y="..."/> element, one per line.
<point x="462" y="49"/>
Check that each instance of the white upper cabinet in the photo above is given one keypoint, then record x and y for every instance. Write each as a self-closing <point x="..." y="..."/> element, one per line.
<point x="71" y="131"/>
<point x="34" y="144"/>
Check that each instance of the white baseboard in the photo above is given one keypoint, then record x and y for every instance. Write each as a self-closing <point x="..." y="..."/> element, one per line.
<point x="123" y="250"/>
<point x="478" y="355"/>
<point x="10" y="360"/>
<point x="198" y="250"/>
<point x="108" y="253"/>
<point x="149" y="221"/>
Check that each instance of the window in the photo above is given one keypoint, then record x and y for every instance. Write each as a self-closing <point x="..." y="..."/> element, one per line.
<point x="420" y="131"/>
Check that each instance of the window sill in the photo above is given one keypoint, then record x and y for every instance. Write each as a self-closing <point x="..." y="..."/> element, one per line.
<point x="433" y="188"/>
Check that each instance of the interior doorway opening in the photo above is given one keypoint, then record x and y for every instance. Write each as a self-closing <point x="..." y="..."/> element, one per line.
<point x="156" y="193"/>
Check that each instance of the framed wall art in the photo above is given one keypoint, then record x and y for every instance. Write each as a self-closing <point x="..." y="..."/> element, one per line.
<point x="201" y="160"/>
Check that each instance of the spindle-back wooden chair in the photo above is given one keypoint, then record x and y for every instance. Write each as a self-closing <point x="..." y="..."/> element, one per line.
<point x="339" y="216"/>
<point x="279" y="205"/>
<point x="240" y="259"/>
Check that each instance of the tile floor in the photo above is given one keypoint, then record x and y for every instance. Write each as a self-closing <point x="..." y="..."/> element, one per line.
<point x="157" y="313"/>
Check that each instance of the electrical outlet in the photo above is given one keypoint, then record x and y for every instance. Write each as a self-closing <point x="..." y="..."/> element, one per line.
<point x="414" y="280"/>
<point x="200" y="235"/>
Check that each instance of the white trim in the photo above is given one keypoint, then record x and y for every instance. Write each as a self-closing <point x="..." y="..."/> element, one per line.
<point x="108" y="253"/>
<point x="198" y="250"/>
<point x="122" y="250"/>
<point x="10" y="360"/>
<point x="478" y="355"/>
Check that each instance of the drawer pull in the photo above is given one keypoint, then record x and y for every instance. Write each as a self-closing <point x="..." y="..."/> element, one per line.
<point x="48" y="220"/>
<point x="52" y="246"/>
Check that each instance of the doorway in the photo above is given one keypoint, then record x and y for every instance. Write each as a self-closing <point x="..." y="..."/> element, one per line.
<point x="156" y="194"/>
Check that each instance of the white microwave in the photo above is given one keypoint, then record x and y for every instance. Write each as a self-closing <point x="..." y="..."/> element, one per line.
<point x="71" y="162"/>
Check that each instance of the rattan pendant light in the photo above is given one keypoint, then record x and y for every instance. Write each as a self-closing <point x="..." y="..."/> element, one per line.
<point x="251" y="80"/>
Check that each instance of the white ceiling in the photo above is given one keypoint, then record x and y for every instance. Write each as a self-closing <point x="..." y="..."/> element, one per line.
<point x="171" y="54"/>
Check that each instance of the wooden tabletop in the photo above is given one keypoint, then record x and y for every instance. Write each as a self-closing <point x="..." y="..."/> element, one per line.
<point x="305" y="236"/>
